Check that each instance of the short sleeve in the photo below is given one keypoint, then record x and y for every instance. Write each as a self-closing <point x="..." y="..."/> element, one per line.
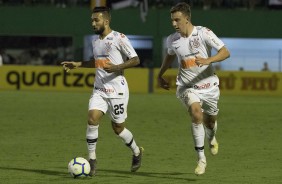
<point x="170" y="50"/>
<point x="126" y="47"/>
<point x="211" y="39"/>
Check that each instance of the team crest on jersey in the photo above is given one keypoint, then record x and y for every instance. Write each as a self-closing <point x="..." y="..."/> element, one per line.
<point x="195" y="42"/>
<point x="108" y="46"/>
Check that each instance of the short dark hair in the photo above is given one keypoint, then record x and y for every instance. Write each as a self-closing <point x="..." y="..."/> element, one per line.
<point x="182" y="7"/>
<point x="104" y="10"/>
<point x="101" y="9"/>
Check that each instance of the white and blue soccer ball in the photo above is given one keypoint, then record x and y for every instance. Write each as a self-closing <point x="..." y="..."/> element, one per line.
<point x="79" y="167"/>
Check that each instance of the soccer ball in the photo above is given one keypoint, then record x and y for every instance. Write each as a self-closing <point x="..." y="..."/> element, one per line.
<point x="79" y="167"/>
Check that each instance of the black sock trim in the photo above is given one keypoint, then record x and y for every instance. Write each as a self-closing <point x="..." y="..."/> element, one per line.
<point x="91" y="140"/>
<point x="129" y="144"/>
<point x="199" y="148"/>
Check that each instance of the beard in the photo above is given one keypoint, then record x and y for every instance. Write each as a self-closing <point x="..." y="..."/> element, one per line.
<point x="99" y="31"/>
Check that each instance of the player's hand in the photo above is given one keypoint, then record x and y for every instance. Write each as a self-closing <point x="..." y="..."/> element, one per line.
<point x="163" y="83"/>
<point x="201" y="61"/>
<point x="110" y="67"/>
<point x="69" y="65"/>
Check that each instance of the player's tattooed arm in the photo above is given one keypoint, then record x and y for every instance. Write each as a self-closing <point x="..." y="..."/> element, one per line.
<point x="88" y="64"/>
<point x="110" y="67"/>
<point x="69" y="65"/>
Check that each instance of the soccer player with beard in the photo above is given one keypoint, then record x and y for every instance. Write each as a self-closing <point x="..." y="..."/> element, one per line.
<point x="110" y="93"/>
<point x="197" y="83"/>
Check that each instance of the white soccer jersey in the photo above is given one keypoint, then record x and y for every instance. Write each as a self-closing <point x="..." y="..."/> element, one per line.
<point x="114" y="48"/>
<point x="199" y="43"/>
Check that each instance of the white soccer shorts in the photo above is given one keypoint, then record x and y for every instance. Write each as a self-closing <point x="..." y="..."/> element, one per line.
<point x="116" y="107"/>
<point x="207" y="99"/>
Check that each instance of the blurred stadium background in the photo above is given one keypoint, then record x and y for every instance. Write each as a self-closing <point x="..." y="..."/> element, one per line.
<point x="37" y="33"/>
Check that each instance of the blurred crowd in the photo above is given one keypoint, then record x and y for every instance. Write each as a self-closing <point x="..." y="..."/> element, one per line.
<point x="217" y="4"/>
<point x="53" y="54"/>
<point x="56" y="3"/>
<point x="34" y="56"/>
<point x="35" y="50"/>
<point x="204" y="4"/>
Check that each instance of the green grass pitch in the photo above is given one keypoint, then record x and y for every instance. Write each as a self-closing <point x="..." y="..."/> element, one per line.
<point x="42" y="131"/>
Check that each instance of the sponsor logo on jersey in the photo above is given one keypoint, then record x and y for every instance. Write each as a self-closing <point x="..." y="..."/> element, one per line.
<point x="213" y="40"/>
<point x="202" y="86"/>
<point x="102" y="56"/>
<point x="125" y="48"/>
<point x="192" y="54"/>
<point x="105" y="90"/>
<point x="110" y="38"/>
<point x="101" y="62"/>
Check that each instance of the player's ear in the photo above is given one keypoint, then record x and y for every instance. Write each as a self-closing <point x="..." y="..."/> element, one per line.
<point x="106" y="21"/>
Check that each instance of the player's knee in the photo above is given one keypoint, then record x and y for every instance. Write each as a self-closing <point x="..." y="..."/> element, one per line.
<point x="197" y="119"/>
<point x="117" y="127"/>
<point x="92" y="121"/>
<point x="209" y="121"/>
<point x="196" y="115"/>
<point x="94" y="117"/>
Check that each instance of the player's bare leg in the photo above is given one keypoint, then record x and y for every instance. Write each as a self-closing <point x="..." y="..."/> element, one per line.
<point x="127" y="137"/>
<point x="92" y="138"/>
<point x="210" y="129"/>
<point x="198" y="133"/>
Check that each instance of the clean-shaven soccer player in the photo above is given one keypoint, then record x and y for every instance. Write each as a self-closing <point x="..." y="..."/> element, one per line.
<point x="197" y="83"/>
<point x="110" y="93"/>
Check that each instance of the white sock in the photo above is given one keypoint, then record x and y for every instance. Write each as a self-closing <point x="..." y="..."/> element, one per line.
<point x="210" y="133"/>
<point x="91" y="138"/>
<point x="127" y="137"/>
<point x="198" y="133"/>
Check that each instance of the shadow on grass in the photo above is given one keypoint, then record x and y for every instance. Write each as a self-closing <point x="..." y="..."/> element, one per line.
<point x="39" y="171"/>
<point x="161" y="175"/>
<point x="105" y="172"/>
